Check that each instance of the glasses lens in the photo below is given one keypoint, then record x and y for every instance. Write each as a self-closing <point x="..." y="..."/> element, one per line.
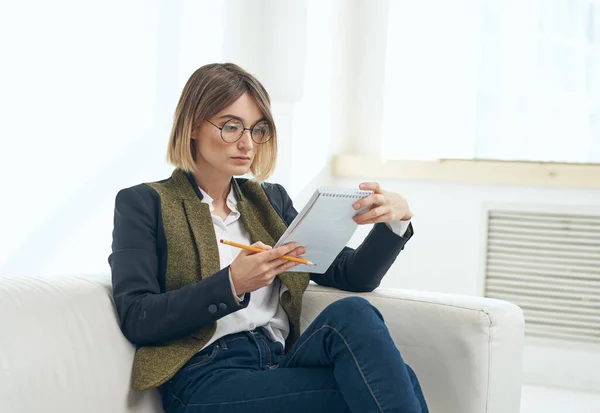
<point x="261" y="132"/>
<point x="232" y="130"/>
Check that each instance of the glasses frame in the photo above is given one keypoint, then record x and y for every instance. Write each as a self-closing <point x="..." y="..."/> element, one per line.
<point x="244" y="128"/>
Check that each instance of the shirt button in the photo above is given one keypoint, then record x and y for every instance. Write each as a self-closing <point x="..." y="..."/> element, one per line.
<point x="252" y="326"/>
<point x="212" y="308"/>
<point x="223" y="306"/>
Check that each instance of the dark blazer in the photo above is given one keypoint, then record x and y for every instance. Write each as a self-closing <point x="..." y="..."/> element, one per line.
<point x="150" y="315"/>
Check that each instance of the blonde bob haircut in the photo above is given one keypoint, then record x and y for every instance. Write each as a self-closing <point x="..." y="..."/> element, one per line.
<point x="209" y="90"/>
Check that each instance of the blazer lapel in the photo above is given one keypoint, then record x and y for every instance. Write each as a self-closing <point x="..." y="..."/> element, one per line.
<point x="253" y="225"/>
<point x="199" y="221"/>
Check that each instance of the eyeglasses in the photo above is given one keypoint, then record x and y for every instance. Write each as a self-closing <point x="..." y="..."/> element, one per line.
<point x="233" y="129"/>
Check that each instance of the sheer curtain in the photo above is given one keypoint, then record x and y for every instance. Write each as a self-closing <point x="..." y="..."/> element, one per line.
<point x="88" y="94"/>
<point x="493" y="79"/>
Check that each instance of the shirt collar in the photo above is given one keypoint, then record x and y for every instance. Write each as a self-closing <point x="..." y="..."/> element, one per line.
<point x="231" y="200"/>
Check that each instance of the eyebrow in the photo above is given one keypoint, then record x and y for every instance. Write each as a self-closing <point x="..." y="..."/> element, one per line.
<point x="229" y="116"/>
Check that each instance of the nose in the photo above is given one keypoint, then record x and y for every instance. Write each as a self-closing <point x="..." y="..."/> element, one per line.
<point x="245" y="140"/>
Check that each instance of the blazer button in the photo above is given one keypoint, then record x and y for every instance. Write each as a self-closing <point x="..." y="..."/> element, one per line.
<point x="223" y="306"/>
<point x="212" y="308"/>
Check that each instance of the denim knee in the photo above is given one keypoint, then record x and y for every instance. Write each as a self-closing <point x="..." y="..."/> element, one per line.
<point x="353" y="309"/>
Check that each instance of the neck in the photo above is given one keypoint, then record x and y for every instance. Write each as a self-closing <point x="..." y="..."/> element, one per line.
<point x="217" y="187"/>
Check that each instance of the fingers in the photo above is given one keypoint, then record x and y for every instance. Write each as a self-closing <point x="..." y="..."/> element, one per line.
<point x="370" y="186"/>
<point x="283" y="250"/>
<point x="272" y="257"/>
<point x="277" y="264"/>
<point x="275" y="267"/>
<point x="284" y="266"/>
<point x="374" y="215"/>
<point x="380" y="218"/>
<point x="369" y="201"/>
<point x="257" y="245"/>
<point x="261" y="245"/>
<point x="297" y="252"/>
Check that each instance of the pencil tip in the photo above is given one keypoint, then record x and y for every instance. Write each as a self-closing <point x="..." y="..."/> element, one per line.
<point x="311" y="263"/>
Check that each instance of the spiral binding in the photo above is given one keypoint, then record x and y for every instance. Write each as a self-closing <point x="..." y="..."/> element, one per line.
<point x="351" y="194"/>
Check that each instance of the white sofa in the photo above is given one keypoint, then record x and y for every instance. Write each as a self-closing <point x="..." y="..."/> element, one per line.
<point x="61" y="349"/>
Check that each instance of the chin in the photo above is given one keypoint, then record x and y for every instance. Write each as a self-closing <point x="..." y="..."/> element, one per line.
<point x="238" y="171"/>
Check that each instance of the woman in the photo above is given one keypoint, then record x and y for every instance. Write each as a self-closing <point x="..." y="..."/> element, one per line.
<point x="217" y="329"/>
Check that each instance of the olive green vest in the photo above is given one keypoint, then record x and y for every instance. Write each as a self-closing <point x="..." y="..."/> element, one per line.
<point x="193" y="254"/>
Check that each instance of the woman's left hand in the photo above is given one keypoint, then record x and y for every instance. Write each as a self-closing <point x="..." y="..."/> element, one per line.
<point x="384" y="206"/>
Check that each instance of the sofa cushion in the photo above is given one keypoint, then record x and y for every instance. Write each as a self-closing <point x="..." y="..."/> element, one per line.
<point x="61" y="349"/>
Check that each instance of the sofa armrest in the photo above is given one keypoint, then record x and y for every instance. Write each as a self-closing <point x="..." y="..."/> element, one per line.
<point x="466" y="351"/>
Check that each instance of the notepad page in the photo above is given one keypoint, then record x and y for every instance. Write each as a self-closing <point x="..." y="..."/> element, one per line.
<point x="324" y="227"/>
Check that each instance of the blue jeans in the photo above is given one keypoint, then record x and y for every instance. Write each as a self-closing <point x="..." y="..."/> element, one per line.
<point x="345" y="361"/>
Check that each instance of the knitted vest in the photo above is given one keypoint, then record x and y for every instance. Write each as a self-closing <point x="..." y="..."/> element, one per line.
<point x="193" y="255"/>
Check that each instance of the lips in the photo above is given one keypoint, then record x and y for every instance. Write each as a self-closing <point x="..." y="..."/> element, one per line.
<point x="245" y="158"/>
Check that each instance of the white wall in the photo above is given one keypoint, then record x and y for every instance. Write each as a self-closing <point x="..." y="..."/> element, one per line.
<point x="87" y="111"/>
<point x="446" y="255"/>
<point x="88" y="94"/>
<point x="445" y="252"/>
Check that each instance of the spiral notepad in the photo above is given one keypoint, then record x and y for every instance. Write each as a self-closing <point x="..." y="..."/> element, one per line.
<point x="324" y="226"/>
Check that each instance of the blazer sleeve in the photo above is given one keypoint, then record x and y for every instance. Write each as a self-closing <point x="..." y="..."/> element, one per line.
<point x="361" y="269"/>
<point x="148" y="315"/>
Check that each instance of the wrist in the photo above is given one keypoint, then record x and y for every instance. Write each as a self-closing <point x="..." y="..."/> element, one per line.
<point x="235" y="288"/>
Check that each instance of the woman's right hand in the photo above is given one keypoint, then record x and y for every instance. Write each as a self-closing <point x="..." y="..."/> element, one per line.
<point x="251" y="271"/>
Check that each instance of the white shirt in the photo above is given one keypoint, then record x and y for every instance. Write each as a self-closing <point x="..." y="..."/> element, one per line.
<point x="264" y="309"/>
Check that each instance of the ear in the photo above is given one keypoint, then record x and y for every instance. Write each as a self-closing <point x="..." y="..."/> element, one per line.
<point x="194" y="133"/>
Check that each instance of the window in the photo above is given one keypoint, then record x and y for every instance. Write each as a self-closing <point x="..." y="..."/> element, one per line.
<point x="493" y="79"/>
